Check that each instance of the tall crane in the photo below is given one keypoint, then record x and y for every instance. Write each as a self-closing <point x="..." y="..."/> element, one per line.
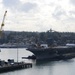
<point x="2" y="24"/>
<point x="3" y="21"/>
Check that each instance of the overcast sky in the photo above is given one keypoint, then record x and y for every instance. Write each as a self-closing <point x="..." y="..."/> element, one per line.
<point x="38" y="15"/>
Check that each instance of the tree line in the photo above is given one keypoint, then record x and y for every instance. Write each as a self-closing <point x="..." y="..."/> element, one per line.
<point x="37" y="37"/>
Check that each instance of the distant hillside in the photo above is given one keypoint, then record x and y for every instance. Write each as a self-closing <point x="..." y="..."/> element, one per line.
<point x="37" y="37"/>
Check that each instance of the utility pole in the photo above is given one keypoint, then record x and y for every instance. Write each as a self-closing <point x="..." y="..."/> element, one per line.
<point x="17" y="54"/>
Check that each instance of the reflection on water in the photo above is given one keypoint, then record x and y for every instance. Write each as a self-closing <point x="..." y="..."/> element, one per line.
<point x="39" y="68"/>
<point x="11" y="53"/>
<point x="52" y="62"/>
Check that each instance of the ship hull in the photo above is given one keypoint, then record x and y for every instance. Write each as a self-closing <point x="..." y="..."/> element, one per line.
<point x="53" y="53"/>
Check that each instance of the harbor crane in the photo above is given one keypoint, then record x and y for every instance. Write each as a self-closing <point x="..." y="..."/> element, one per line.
<point x="3" y="21"/>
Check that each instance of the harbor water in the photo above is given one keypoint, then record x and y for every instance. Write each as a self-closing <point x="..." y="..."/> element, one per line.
<point x="62" y="67"/>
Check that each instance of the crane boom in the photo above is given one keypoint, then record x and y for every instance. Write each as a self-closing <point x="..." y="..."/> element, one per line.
<point x="2" y="24"/>
<point x="3" y="20"/>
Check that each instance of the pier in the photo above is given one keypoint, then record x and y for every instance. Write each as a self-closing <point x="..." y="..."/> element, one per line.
<point x="10" y="66"/>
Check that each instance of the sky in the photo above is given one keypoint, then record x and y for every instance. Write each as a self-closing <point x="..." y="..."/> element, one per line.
<point x="38" y="15"/>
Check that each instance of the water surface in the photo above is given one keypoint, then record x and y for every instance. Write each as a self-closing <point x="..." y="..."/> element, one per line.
<point x="42" y="68"/>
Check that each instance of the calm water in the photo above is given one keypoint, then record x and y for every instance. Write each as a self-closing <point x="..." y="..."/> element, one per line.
<point x="41" y="68"/>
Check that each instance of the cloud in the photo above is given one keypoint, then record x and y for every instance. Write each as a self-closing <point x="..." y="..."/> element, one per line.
<point x="38" y="15"/>
<point x="19" y="6"/>
<point x="58" y="12"/>
<point x="72" y="12"/>
<point x="11" y="3"/>
<point x="28" y="6"/>
<point x="72" y="1"/>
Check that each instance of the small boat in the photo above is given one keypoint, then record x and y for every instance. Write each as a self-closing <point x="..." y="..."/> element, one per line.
<point x="30" y="57"/>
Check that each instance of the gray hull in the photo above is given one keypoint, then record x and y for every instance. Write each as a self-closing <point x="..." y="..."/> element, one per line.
<point x="54" y="53"/>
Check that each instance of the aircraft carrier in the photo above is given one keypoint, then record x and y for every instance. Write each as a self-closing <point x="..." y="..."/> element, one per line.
<point x="53" y="53"/>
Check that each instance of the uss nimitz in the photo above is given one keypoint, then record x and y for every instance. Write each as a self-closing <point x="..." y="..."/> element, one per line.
<point x="54" y="53"/>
